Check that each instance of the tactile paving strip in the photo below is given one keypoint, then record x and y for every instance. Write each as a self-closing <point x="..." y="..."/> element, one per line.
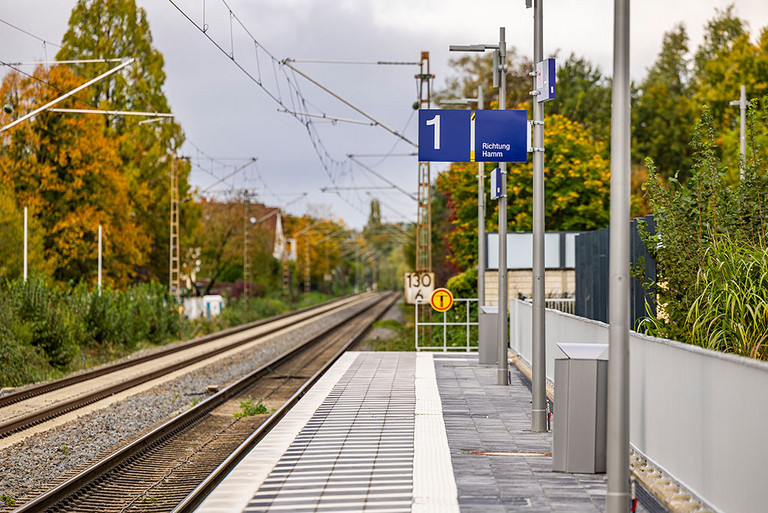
<point x="356" y="452"/>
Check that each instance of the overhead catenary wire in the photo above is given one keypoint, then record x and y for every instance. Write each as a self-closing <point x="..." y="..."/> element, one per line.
<point x="71" y="61"/>
<point x="44" y="41"/>
<point x="45" y="83"/>
<point x="377" y="174"/>
<point x="283" y="89"/>
<point x="374" y="63"/>
<point x="68" y="94"/>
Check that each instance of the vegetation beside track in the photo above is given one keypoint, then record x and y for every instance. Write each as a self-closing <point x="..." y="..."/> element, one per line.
<point x="47" y="331"/>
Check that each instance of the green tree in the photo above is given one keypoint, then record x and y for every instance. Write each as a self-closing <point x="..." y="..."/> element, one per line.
<point x="100" y="29"/>
<point x="664" y="113"/>
<point x="727" y="59"/>
<point x="583" y="95"/>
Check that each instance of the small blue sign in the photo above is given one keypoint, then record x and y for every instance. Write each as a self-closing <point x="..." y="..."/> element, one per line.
<point x="444" y="135"/>
<point x="546" y="77"/>
<point x="496" y="183"/>
<point x="500" y="136"/>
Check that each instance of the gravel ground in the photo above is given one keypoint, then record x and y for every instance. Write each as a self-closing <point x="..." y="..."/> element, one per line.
<point x="38" y="461"/>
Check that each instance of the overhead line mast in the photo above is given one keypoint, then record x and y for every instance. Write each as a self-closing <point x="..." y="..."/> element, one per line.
<point x="424" y="216"/>
<point x="175" y="256"/>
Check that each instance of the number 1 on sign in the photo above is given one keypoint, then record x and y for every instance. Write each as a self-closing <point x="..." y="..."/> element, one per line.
<point x="436" y="123"/>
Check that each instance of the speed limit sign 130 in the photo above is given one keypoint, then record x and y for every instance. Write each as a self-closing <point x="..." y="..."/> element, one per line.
<point x="418" y="286"/>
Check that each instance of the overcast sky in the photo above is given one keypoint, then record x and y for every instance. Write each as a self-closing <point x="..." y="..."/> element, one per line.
<point x="227" y="115"/>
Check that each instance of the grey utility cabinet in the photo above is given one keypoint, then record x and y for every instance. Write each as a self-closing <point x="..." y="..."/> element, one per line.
<point x="581" y="389"/>
<point x="488" y="321"/>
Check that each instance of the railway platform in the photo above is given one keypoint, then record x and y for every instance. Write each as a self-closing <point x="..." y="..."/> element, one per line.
<point x="401" y="432"/>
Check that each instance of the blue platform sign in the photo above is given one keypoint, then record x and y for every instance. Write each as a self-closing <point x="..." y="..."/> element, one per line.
<point x="444" y="135"/>
<point x="546" y="77"/>
<point x="501" y="136"/>
<point x="496" y="183"/>
<point x="479" y="136"/>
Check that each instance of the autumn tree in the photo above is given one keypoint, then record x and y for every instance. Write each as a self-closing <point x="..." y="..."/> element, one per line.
<point x="321" y="239"/>
<point x="219" y="242"/>
<point x="475" y="70"/>
<point x="68" y="172"/>
<point x="577" y="191"/>
<point x="101" y="29"/>
<point x="390" y="241"/>
<point x="12" y="239"/>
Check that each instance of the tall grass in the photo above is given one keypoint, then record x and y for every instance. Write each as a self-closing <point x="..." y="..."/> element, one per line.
<point x="730" y="312"/>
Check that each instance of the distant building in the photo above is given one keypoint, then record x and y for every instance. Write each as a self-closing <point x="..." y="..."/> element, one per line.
<point x="559" y="264"/>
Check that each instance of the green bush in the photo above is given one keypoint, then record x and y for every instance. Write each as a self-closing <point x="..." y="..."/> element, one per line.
<point x="464" y="285"/>
<point x="20" y="362"/>
<point x="46" y="331"/>
<point x="40" y="315"/>
<point x="710" y="247"/>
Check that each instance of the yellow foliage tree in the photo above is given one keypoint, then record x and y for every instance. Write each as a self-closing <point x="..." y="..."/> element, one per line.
<point x="68" y="172"/>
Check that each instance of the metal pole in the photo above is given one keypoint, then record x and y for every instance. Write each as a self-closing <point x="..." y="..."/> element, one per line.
<point x="26" y="243"/>
<point x="743" y="131"/>
<point x="502" y="324"/>
<point x="480" y="218"/>
<point x="617" y="455"/>
<point x="67" y="95"/>
<point x="99" y="259"/>
<point x="539" y="383"/>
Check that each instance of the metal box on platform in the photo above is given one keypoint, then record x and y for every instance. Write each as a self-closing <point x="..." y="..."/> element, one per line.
<point x="581" y="387"/>
<point x="488" y="321"/>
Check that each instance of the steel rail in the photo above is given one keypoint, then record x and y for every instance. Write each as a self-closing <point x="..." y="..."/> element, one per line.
<point x="160" y="435"/>
<point x="57" y="409"/>
<point x="194" y="499"/>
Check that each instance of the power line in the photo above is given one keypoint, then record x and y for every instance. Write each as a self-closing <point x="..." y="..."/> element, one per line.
<point x="44" y="41"/>
<point x="374" y="63"/>
<point x="284" y="89"/>
<point x="47" y="84"/>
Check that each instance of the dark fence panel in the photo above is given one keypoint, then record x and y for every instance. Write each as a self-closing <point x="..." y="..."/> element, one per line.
<point x="592" y="273"/>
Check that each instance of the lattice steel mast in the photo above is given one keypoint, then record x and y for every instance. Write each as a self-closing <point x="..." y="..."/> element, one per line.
<point x="424" y="215"/>
<point x="174" y="285"/>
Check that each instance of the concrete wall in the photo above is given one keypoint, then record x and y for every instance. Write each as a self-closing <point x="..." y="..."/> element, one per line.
<point x="700" y="415"/>
<point x="558" y="282"/>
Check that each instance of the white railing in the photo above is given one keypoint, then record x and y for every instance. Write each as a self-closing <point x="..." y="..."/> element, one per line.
<point x="467" y="323"/>
<point x="561" y="304"/>
<point x="565" y="304"/>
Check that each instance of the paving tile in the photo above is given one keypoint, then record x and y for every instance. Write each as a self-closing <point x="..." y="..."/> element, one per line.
<point x="483" y="416"/>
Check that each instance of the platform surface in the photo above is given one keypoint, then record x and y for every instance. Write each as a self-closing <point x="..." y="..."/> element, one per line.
<point x="406" y="432"/>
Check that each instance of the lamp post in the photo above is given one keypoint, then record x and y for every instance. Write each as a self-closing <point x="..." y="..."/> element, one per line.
<point x="538" y="320"/>
<point x="500" y="81"/>
<point x="617" y="438"/>
<point x="479" y="100"/>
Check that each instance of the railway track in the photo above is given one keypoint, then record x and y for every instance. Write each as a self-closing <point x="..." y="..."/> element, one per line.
<point x="33" y="405"/>
<point x="175" y="465"/>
